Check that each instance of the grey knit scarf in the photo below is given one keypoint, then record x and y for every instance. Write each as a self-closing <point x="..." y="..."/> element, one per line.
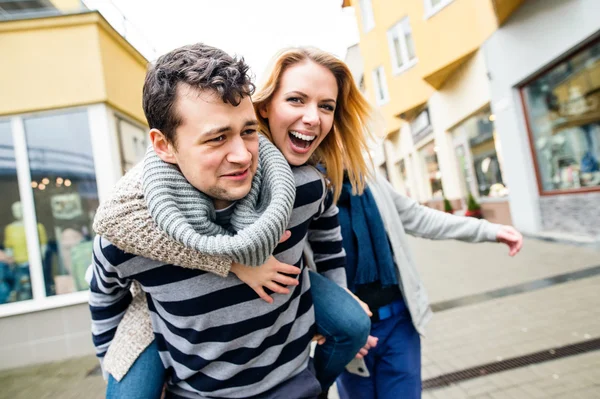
<point x="188" y="215"/>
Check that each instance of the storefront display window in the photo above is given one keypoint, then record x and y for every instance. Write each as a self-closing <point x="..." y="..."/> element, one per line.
<point x="63" y="181"/>
<point x="15" y="281"/>
<point x="563" y="113"/>
<point x="432" y="169"/>
<point x="475" y="148"/>
<point x="134" y="142"/>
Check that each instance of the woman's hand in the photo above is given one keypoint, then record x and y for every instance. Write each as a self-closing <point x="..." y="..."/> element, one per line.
<point x="511" y="237"/>
<point x="267" y="275"/>
<point x="371" y="343"/>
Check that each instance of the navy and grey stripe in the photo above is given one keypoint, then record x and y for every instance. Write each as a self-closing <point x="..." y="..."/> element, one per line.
<point x="188" y="216"/>
<point x="215" y="336"/>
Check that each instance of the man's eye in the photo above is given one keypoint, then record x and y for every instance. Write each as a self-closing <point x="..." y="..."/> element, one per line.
<point x="217" y="139"/>
<point x="249" y="132"/>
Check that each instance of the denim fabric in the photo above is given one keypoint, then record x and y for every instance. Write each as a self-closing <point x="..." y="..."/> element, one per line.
<point x="144" y="380"/>
<point x="343" y="323"/>
<point x="394" y="364"/>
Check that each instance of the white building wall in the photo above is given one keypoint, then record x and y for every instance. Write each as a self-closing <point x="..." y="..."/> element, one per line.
<point x="537" y="34"/>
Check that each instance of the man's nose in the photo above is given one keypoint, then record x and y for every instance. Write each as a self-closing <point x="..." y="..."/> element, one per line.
<point x="239" y="152"/>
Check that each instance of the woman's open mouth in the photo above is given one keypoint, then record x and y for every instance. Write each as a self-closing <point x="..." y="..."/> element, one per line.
<point x="300" y="143"/>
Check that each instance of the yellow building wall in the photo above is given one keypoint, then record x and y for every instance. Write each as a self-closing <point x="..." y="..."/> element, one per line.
<point x="49" y="68"/>
<point x="67" y="61"/>
<point x="455" y="31"/>
<point x="124" y="75"/>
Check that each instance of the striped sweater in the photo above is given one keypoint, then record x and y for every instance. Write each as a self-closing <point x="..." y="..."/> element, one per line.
<point x="216" y="337"/>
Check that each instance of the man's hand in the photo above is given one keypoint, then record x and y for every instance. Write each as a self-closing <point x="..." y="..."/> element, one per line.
<point x="371" y="343"/>
<point x="267" y="275"/>
<point x="511" y="237"/>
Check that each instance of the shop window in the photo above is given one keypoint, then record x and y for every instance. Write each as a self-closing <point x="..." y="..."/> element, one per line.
<point x="366" y="11"/>
<point x="432" y="168"/>
<point x="63" y="180"/>
<point x="134" y="142"/>
<point x="402" y="46"/>
<point x="475" y="148"/>
<point x="563" y="114"/>
<point x="381" y="90"/>
<point x="15" y="281"/>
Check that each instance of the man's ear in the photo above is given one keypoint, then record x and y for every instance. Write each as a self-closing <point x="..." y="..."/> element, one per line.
<point x="163" y="148"/>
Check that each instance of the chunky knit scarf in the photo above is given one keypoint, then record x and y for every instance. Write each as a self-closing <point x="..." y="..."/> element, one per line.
<point x="188" y="215"/>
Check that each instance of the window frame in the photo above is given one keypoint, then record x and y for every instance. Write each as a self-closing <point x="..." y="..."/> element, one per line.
<point x="40" y="301"/>
<point x="380" y="86"/>
<point x="431" y="10"/>
<point x="520" y="88"/>
<point x="399" y="29"/>
<point x="367" y="15"/>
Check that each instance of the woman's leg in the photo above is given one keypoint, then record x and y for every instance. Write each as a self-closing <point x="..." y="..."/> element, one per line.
<point x="343" y="323"/>
<point x="144" y="380"/>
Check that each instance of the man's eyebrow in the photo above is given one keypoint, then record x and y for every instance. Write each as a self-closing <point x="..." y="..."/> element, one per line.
<point x="227" y="128"/>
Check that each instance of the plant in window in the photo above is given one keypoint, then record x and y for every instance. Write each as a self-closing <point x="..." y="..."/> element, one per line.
<point x="448" y="206"/>
<point x="473" y="208"/>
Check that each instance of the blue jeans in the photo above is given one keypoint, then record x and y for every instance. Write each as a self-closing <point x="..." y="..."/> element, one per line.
<point x="394" y="364"/>
<point x="339" y="318"/>
<point x="343" y="323"/>
<point x="144" y="380"/>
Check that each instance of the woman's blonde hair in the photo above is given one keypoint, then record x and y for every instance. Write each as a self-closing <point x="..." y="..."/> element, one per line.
<point x="345" y="147"/>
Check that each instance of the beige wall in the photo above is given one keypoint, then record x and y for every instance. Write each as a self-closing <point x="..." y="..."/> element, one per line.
<point x="45" y="336"/>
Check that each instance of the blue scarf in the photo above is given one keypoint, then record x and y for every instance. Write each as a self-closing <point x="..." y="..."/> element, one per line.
<point x="368" y="253"/>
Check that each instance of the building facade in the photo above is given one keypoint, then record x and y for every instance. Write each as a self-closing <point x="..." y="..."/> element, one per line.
<point x="545" y="94"/>
<point x="70" y="123"/>
<point x="426" y="73"/>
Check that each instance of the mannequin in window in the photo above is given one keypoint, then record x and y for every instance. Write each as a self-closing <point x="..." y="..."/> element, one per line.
<point x="15" y="246"/>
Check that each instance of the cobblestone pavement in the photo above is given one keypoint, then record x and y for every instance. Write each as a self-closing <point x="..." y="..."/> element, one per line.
<point x="465" y="336"/>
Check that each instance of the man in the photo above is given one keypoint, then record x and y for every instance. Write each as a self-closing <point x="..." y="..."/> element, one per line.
<point x="215" y="337"/>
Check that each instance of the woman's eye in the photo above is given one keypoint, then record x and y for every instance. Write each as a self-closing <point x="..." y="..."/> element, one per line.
<point x="294" y="99"/>
<point x="328" y="107"/>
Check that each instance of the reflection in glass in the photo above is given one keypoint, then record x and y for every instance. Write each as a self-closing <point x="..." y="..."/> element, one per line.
<point x="15" y="283"/>
<point x="563" y="108"/>
<point x="65" y="196"/>
<point x="432" y="168"/>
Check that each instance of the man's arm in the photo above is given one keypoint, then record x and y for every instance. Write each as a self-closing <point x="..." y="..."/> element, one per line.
<point x="109" y="298"/>
<point x="325" y="239"/>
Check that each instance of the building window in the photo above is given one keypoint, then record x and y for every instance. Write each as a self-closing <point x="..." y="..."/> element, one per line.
<point x="63" y="181"/>
<point x="402" y="46"/>
<point x="563" y="115"/>
<point x="15" y="280"/>
<point x="403" y="173"/>
<point x="428" y="155"/>
<point x="478" y="163"/>
<point x="432" y="7"/>
<point x="381" y="91"/>
<point x="134" y="142"/>
<point x="366" y="10"/>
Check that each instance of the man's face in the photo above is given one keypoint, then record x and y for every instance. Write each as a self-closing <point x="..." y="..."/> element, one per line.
<point x="216" y="144"/>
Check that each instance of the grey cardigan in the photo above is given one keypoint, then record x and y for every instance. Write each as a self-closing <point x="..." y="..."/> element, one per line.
<point x="402" y="215"/>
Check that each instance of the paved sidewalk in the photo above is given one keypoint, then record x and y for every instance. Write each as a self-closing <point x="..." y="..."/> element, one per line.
<point x="457" y="338"/>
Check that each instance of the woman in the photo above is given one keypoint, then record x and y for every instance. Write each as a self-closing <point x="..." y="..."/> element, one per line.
<point x="312" y="111"/>
<point x="381" y="271"/>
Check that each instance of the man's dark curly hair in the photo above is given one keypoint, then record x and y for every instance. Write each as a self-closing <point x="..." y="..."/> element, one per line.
<point x="200" y="66"/>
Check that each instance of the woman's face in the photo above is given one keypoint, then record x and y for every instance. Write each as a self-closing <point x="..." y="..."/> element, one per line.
<point x="300" y="113"/>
